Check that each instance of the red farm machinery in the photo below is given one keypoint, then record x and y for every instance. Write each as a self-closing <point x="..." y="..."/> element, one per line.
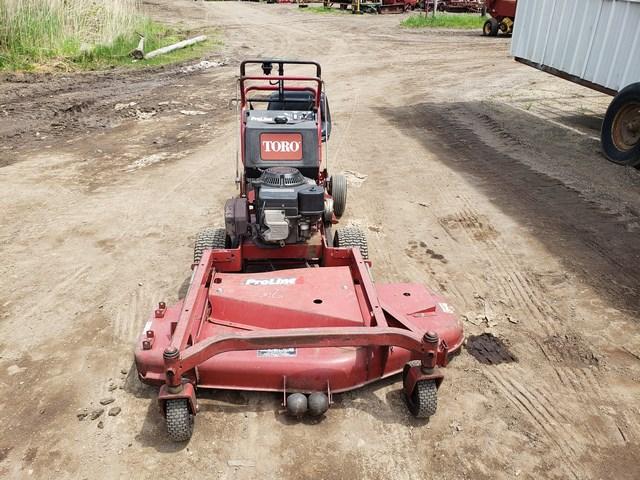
<point x="280" y="300"/>
<point x="503" y="14"/>
<point x="375" y="6"/>
<point x="455" y="6"/>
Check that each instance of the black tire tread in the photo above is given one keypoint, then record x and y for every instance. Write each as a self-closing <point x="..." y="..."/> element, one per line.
<point x="208" y="238"/>
<point x="632" y="157"/>
<point x="424" y="399"/>
<point x="179" y="420"/>
<point x="339" y="194"/>
<point x="494" y="27"/>
<point x="352" y="236"/>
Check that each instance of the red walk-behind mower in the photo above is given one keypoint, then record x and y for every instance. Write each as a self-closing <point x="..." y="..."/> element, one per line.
<point x="279" y="303"/>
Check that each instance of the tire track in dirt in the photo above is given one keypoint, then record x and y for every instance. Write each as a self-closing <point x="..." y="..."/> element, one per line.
<point x="536" y="407"/>
<point x="542" y="406"/>
<point x="516" y="282"/>
<point x="518" y="285"/>
<point x="547" y="204"/>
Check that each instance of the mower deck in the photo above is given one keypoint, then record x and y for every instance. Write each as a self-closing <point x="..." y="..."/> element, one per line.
<point x="279" y="323"/>
<point x="318" y="329"/>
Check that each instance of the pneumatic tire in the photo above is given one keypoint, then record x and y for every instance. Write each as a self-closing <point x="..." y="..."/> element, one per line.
<point x="423" y="401"/>
<point x="490" y="28"/>
<point x="179" y="420"/>
<point x="352" y="237"/>
<point x="209" y="238"/>
<point x="620" y="136"/>
<point x="339" y="194"/>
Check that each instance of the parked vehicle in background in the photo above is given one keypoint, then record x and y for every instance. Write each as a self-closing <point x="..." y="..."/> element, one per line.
<point x="468" y="6"/>
<point x="598" y="46"/>
<point x="376" y="6"/>
<point x="503" y="14"/>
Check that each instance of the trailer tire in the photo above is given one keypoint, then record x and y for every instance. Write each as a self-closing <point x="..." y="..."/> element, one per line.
<point x="339" y="194"/>
<point x="490" y="28"/>
<point x="209" y="238"/>
<point x="352" y="237"/>
<point x="179" y="420"/>
<point x="423" y="401"/>
<point x="620" y="136"/>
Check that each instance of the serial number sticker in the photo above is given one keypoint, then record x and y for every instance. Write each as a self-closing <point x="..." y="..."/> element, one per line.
<point x="277" y="352"/>
<point x="445" y="307"/>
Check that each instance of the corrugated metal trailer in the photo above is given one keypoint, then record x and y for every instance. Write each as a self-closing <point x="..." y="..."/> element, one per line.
<point x="595" y="43"/>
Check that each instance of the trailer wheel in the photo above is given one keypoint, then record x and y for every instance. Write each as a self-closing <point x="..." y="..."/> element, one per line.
<point x="423" y="401"/>
<point x="352" y="237"/>
<point x="179" y="420"/>
<point x="490" y="28"/>
<point x="209" y="238"/>
<point x="620" y="136"/>
<point x="338" y="192"/>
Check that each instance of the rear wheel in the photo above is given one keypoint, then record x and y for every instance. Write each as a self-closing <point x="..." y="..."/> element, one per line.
<point x="339" y="194"/>
<point x="209" y="238"/>
<point x="490" y="28"/>
<point x="179" y="420"/>
<point x="620" y="134"/>
<point x="352" y="237"/>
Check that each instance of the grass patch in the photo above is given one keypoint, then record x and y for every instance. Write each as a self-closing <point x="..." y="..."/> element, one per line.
<point x="155" y="36"/>
<point x="72" y="35"/>
<point x="444" y="20"/>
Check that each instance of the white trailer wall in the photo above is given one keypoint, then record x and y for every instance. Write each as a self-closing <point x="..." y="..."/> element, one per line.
<point x="597" y="41"/>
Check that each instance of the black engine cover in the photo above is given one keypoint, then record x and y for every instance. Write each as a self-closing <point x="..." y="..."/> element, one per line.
<point x="311" y="200"/>
<point x="279" y="198"/>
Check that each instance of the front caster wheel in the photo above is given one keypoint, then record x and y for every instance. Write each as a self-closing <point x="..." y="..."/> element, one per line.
<point x="179" y="420"/>
<point x="423" y="401"/>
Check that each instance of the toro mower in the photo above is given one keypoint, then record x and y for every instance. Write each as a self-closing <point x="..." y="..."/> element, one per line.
<point x="279" y="299"/>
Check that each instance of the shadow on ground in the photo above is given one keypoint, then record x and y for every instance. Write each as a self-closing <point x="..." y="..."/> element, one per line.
<point x="599" y="246"/>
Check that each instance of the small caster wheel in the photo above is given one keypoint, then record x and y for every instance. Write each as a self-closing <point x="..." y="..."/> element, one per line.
<point x="179" y="420"/>
<point x="423" y="401"/>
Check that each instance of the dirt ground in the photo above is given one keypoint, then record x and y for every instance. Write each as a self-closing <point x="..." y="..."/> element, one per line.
<point x="472" y="174"/>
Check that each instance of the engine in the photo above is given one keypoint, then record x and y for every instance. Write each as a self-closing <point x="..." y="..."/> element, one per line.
<point x="286" y="209"/>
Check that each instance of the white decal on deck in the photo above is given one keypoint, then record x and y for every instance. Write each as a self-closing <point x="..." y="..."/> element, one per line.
<point x="445" y="307"/>
<point x="277" y="352"/>
<point x="270" y="281"/>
